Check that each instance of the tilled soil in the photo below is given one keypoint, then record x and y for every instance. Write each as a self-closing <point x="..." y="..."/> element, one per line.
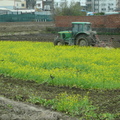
<point x="9" y="27"/>
<point x="11" y="110"/>
<point x="26" y="31"/>
<point x="49" y="37"/>
<point x="38" y="31"/>
<point x="12" y="90"/>
<point x="20" y="90"/>
<point x="40" y="37"/>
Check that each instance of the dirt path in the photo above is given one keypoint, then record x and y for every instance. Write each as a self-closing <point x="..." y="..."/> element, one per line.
<point x="12" y="91"/>
<point x="11" y="110"/>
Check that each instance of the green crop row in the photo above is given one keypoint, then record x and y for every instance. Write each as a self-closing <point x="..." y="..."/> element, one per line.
<point x="81" y="67"/>
<point x="74" y="105"/>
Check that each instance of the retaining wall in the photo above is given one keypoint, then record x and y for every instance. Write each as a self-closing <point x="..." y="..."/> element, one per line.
<point x="105" y="21"/>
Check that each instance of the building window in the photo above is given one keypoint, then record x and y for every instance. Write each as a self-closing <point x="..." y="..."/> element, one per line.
<point x="96" y="4"/>
<point x="103" y="4"/>
<point x="111" y="9"/>
<point x="39" y="5"/>
<point x="88" y="0"/>
<point x="103" y="9"/>
<point x="110" y="4"/>
<point x="23" y="5"/>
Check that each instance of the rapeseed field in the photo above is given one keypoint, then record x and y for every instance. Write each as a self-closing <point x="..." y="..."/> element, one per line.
<point x="72" y="66"/>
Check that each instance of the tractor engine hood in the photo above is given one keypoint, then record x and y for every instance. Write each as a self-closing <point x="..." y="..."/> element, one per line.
<point x="65" y="34"/>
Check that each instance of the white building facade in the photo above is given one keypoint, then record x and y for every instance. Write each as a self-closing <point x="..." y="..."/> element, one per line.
<point x="13" y="4"/>
<point x="46" y="5"/>
<point x="118" y="4"/>
<point x="9" y="4"/>
<point x="102" y="5"/>
<point x="39" y="4"/>
<point x="82" y="2"/>
<point x="105" y="5"/>
<point x="58" y="3"/>
<point x="20" y="4"/>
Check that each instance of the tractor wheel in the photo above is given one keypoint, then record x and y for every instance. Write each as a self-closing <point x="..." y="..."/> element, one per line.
<point x="59" y="42"/>
<point x="83" y="41"/>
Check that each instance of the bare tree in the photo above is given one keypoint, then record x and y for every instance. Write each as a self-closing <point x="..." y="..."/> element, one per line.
<point x="72" y="9"/>
<point x="30" y="4"/>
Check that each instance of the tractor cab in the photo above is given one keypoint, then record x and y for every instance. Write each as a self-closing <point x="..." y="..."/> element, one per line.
<point x="80" y="27"/>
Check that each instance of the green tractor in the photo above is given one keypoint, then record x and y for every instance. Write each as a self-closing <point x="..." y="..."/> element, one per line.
<point x="81" y="35"/>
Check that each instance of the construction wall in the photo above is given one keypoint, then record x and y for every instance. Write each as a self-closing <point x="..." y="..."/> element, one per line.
<point x="105" y="21"/>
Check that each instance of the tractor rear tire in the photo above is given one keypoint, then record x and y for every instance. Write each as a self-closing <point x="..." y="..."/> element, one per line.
<point x="83" y="41"/>
<point x="59" y="42"/>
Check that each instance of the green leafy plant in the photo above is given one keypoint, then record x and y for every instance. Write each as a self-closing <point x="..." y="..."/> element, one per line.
<point x="75" y="105"/>
<point x="106" y="116"/>
<point x="41" y="101"/>
<point x="101" y="13"/>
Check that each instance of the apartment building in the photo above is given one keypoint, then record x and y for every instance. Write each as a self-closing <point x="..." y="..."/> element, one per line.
<point x="46" y="5"/>
<point x="118" y="5"/>
<point x="39" y="4"/>
<point x="101" y="5"/>
<point x="19" y="4"/>
<point x="58" y="3"/>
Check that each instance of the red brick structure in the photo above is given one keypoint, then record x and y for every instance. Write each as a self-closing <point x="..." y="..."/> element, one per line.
<point x="105" y="21"/>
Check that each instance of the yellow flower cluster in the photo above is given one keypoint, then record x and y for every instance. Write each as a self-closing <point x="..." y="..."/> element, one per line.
<point x="67" y="102"/>
<point x="72" y="66"/>
<point x="74" y="104"/>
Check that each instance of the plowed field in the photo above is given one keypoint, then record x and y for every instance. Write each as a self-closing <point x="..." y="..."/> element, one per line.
<point x="11" y="90"/>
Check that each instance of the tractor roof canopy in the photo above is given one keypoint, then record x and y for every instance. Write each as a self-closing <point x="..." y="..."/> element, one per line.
<point x="81" y="23"/>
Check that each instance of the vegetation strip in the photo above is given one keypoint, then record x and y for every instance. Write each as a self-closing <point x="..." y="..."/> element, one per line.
<point x="62" y="66"/>
<point x="80" y="67"/>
